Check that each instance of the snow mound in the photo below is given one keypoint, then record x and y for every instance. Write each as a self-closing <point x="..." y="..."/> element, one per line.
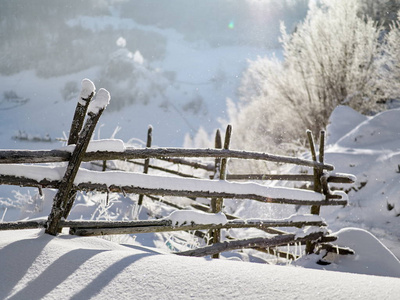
<point x="371" y="256"/>
<point x="341" y="121"/>
<point x="40" y="266"/>
<point x="380" y="131"/>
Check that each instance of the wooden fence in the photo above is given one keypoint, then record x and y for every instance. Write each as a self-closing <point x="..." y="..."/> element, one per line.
<point x="26" y="168"/>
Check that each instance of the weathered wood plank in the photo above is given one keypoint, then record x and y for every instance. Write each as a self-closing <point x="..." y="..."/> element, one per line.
<point x="46" y="156"/>
<point x="32" y="224"/>
<point x="33" y="156"/>
<point x="193" y="164"/>
<point x="109" y="228"/>
<point x="276" y="241"/>
<point x="289" y="177"/>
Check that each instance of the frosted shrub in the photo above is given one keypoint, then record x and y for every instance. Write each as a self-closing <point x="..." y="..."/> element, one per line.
<point x="331" y="59"/>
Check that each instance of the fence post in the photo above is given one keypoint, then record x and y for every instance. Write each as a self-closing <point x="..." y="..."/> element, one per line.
<point x="61" y="199"/>
<point x="146" y="163"/>
<point x="217" y="171"/>
<point x="315" y="209"/>
<point x="87" y="92"/>
<point x="217" y="203"/>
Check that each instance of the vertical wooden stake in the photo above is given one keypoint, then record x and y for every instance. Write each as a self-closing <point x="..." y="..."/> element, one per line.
<point x="317" y="171"/>
<point x="64" y="190"/>
<point x="218" y="202"/>
<point x="217" y="171"/>
<point x="315" y="209"/>
<point x="322" y="146"/>
<point x="146" y="161"/>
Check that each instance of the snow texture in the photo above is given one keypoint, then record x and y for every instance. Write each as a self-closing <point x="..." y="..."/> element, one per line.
<point x="341" y="121"/>
<point x="101" y="101"/>
<point x="181" y="217"/>
<point x="115" y="145"/>
<point x="374" y="133"/>
<point x="87" y="89"/>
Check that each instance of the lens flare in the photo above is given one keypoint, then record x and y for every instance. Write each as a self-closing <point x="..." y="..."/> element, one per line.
<point x="231" y="25"/>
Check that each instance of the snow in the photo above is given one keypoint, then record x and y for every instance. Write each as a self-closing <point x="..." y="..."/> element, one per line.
<point x="371" y="256"/>
<point x="341" y="121"/>
<point x="101" y="101"/>
<point x="375" y="133"/>
<point x="40" y="266"/>
<point x="138" y="58"/>
<point x="181" y="217"/>
<point x="116" y="145"/>
<point x="369" y="149"/>
<point x="87" y="89"/>
<point x="309" y="230"/>
<point x="302" y="218"/>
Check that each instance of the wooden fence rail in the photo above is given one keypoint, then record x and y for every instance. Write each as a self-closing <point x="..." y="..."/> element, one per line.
<point x="92" y="228"/>
<point x="50" y="156"/>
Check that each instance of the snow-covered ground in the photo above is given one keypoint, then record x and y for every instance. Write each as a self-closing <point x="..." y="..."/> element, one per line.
<point x="38" y="266"/>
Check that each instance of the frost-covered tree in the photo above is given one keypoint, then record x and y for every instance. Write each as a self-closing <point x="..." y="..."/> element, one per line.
<point x="391" y="61"/>
<point x="331" y="59"/>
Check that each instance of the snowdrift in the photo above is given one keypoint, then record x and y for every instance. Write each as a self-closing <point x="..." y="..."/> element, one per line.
<point x="39" y="266"/>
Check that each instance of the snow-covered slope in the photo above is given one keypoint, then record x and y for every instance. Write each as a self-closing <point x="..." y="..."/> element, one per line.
<point x="371" y="151"/>
<point x="39" y="266"/>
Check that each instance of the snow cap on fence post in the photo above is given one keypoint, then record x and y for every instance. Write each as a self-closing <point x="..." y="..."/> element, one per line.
<point x="100" y="102"/>
<point x="88" y="88"/>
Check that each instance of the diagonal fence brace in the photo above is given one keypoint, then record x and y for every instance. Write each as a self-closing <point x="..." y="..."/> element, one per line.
<point x="60" y="202"/>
